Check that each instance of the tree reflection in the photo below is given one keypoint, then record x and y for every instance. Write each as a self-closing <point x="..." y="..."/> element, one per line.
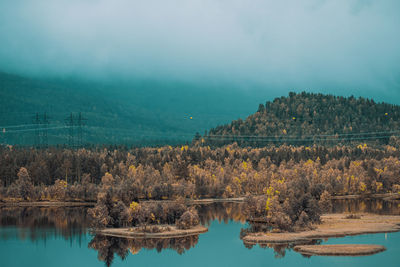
<point x="40" y="223"/>
<point x="279" y="248"/>
<point x="108" y="246"/>
<point x="221" y="211"/>
<point x="378" y="206"/>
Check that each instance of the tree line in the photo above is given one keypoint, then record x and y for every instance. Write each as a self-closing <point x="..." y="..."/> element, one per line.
<point x="194" y="171"/>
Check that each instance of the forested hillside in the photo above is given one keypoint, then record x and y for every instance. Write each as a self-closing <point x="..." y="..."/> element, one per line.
<point x="312" y="118"/>
<point x="117" y="112"/>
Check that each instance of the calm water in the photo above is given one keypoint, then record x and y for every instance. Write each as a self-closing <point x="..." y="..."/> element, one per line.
<point x="59" y="237"/>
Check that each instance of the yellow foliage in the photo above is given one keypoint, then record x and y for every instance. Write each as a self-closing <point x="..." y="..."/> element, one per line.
<point x="309" y="162"/>
<point x="379" y="186"/>
<point x="379" y="171"/>
<point x="268" y="202"/>
<point x="132" y="169"/>
<point x="134" y="205"/>
<point x="244" y="164"/>
<point x="269" y="191"/>
<point x="362" y="146"/>
<point x="228" y="189"/>
<point x="362" y="187"/>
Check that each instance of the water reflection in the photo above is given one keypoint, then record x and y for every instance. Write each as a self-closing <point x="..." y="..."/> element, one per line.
<point x="222" y="211"/>
<point x="377" y="206"/>
<point x="280" y="249"/>
<point x="38" y="223"/>
<point x="108" y="246"/>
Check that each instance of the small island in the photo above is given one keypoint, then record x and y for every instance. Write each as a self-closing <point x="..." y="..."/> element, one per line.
<point x="165" y="231"/>
<point x="332" y="225"/>
<point x="339" y="250"/>
<point x="147" y="219"/>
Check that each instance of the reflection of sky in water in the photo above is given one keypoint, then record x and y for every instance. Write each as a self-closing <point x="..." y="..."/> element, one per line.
<point x="220" y="246"/>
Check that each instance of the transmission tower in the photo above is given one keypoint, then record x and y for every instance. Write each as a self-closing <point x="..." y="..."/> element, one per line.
<point x="75" y="122"/>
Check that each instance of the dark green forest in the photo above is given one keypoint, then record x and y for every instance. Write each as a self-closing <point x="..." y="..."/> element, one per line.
<point x="307" y="118"/>
<point x="145" y="112"/>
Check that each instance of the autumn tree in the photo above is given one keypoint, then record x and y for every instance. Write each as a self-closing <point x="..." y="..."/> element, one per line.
<point x="23" y="186"/>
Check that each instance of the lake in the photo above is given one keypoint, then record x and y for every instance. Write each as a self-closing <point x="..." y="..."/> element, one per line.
<point x="61" y="237"/>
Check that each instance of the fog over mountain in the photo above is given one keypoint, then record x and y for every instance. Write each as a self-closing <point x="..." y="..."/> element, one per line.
<point x="336" y="46"/>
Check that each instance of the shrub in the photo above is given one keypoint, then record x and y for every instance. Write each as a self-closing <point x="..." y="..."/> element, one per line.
<point x="325" y="202"/>
<point x="188" y="219"/>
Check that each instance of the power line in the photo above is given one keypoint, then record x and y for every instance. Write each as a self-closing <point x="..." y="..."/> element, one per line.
<point x="31" y="130"/>
<point x="327" y="135"/>
<point x="229" y="138"/>
<point x="18" y="126"/>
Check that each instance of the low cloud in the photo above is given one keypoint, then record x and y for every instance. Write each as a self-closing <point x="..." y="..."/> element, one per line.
<point x="341" y="46"/>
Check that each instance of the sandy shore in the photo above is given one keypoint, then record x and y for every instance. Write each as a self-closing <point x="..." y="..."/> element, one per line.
<point x="339" y="250"/>
<point x="333" y="225"/>
<point x="134" y="233"/>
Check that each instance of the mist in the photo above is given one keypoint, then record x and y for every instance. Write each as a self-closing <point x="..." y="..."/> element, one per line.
<point x="341" y="47"/>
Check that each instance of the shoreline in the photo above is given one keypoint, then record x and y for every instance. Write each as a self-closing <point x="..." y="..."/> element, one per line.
<point x="333" y="225"/>
<point x="47" y="204"/>
<point x="385" y="196"/>
<point x="339" y="250"/>
<point x="173" y="233"/>
<point x="91" y="204"/>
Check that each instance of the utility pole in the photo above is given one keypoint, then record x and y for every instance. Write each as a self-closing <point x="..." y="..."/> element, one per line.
<point x="3" y="131"/>
<point x="45" y="122"/>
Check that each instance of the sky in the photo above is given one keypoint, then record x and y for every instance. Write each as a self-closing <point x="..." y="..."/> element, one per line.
<point x="333" y="46"/>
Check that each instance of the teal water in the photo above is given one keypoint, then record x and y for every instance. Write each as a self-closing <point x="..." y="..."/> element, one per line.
<point x="220" y="246"/>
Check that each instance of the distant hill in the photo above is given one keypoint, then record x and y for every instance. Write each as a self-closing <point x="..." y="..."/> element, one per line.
<point x="307" y="118"/>
<point x="139" y="113"/>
